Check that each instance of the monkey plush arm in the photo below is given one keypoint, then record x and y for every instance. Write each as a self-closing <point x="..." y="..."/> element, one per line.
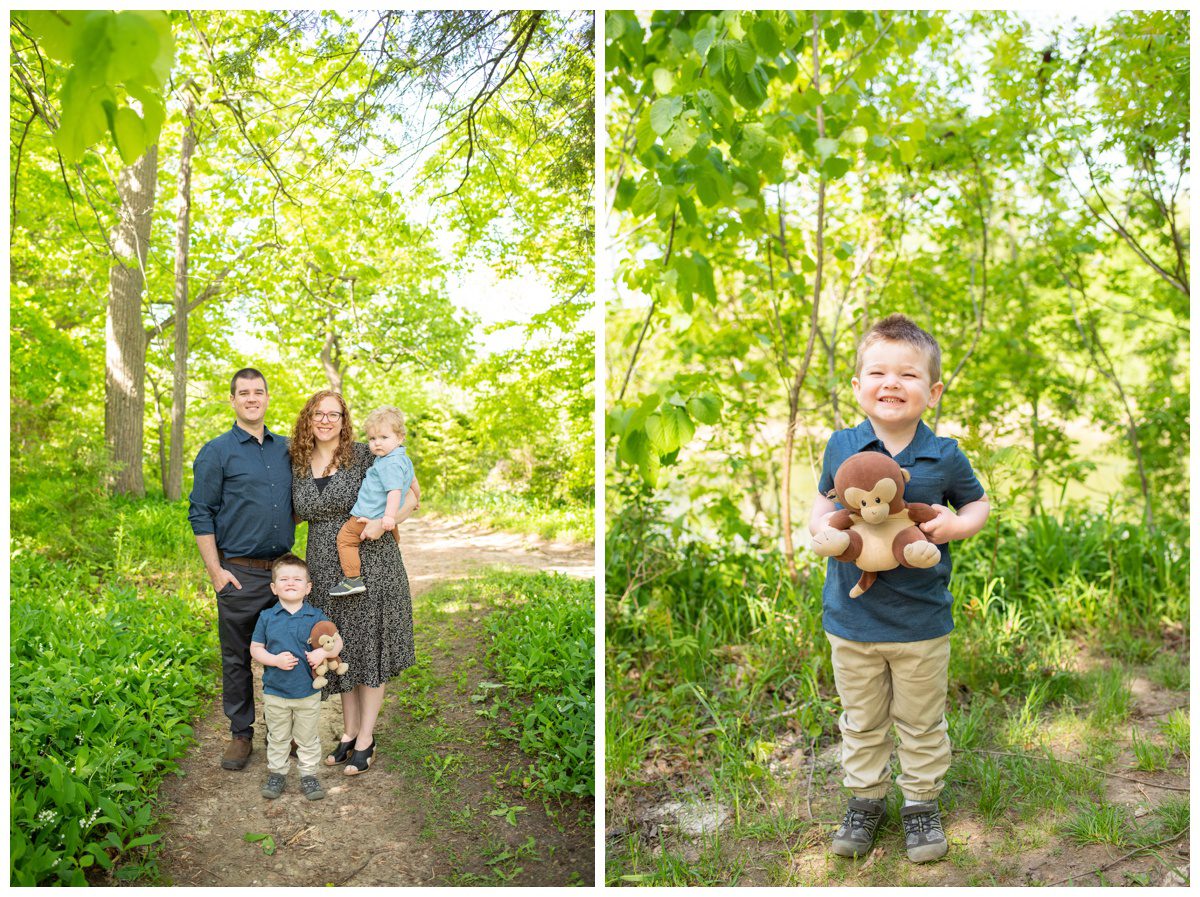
<point x="920" y="513"/>
<point x="841" y="520"/>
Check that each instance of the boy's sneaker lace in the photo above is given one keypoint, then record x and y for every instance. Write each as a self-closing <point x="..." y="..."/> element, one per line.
<point x="311" y="787"/>
<point x="351" y="585"/>
<point x="924" y="836"/>
<point x="274" y="786"/>
<point x="857" y="832"/>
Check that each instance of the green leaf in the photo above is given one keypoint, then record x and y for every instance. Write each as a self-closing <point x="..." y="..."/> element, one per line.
<point x="681" y="139"/>
<point x="129" y="134"/>
<point x="835" y="166"/>
<point x="855" y="136"/>
<point x="915" y="129"/>
<point x="908" y="150"/>
<point x="705" y="408"/>
<point x="766" y="37"/>
<point x="614" y="26"/>
<point x="646" y="198"/>
<point x="702" y="40"/>
<point x="669" y="429"/>
<point x="826" y="147"/>
<point x="663" y="113"/>
<point x="664" y="80"/>
<point x="134" y="46"/>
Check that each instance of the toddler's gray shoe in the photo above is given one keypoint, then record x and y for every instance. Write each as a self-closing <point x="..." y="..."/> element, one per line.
<point x="311" y="787"/>
<point x="857" y="832"/>
<point x="924" y="837"/>
<point x="274" y="786"/>
<point x="351" y="585"/>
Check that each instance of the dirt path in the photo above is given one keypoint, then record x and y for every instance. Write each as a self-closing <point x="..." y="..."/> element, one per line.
<point x="405" y="822"/>
<point x="674" y="813"/>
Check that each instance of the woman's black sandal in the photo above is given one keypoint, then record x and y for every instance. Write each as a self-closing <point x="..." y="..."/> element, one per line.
<point x="360" y="761"/>
<point x="341" y="753"/>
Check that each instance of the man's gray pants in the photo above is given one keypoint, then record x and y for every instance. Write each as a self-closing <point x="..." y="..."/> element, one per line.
<point x="237" y="614"/>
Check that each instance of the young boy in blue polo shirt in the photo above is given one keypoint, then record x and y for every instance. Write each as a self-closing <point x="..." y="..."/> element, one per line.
<point x="891" y="645"/>
<point x="291" y="705"/>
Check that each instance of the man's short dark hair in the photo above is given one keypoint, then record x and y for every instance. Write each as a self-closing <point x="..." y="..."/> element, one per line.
<point x="247" y="374"/>
<point x="288" y="560"/>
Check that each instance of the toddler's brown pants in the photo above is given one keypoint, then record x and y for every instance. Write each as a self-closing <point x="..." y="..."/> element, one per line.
<point x="347" y="546"/>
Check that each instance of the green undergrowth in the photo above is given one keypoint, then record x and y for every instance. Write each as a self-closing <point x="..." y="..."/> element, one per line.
<point x="516" y="513"/>
<point x="114" y="652"/>
<point x="503" y="659"/>
<point x="539" y="653"/>
<point x="717" y="665"/>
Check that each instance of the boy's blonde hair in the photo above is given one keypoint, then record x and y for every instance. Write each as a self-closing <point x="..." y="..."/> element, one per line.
<point x="388" y="416"/>
<point x="899" y="328"/>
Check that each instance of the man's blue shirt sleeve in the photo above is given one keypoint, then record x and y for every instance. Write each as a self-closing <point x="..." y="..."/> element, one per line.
<point x="205" y="500"/>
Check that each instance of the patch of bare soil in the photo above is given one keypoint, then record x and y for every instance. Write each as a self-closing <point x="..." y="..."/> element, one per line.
<point x="386" y="827"/>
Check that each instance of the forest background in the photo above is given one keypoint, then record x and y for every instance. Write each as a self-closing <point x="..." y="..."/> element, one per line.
<point x="395" y="205"/>
<point x="777" y="181"/>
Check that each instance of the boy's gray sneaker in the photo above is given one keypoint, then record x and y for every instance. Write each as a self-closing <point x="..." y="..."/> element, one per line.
<point x="351" y="585"/>
<point x="274" y="786"/>
<point x="857" y="832"/>
<point x="924" y="836"/>
<point x="311" y="787"/>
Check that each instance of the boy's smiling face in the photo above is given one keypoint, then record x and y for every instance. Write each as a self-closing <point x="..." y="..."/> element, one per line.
<point x="893" y="387"/>
<point x="291" y="585"/>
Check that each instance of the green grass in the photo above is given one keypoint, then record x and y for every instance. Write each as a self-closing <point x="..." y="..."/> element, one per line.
<point x="114" y="652"/>
<point x="714" y="656"/>
<point x="542" y="647"/>
<point x="515" y="513"/>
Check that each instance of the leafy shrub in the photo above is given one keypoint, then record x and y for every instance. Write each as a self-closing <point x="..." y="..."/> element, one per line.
<point x="104" y="679"/>
<point x="542" y="646"/>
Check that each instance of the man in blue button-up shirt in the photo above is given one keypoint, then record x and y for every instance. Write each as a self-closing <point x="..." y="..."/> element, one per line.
<point x="241" y="515"/>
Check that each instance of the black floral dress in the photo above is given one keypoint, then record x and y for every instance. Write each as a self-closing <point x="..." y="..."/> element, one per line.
<point x="376" y="625"/>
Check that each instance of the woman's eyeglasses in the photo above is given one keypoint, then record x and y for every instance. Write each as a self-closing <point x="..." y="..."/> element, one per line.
<point x="332" y="416"/>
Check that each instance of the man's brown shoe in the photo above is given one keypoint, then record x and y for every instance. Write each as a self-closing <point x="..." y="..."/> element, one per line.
<point x="237" y="753"/>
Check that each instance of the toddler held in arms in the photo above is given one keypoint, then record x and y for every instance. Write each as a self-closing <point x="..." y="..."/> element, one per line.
<point x="380" y="496"/>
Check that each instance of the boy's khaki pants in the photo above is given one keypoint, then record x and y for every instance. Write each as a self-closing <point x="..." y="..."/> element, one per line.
<point x="881" y="683"/>
<point x="297" y="718"/>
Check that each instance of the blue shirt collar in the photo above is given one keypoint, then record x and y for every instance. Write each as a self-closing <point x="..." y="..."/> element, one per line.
<point x="243" y="436"/>
<point x="923" y="445"/>
<point x="306" y="610"/>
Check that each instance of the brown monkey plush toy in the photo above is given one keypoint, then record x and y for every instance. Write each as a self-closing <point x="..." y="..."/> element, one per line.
<point x="876" y="529"/>
<point x="322" y="636"/>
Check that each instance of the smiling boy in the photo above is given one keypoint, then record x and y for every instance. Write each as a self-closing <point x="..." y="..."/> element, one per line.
<point x="290" y="704"/>
<point x="891" y="646"/>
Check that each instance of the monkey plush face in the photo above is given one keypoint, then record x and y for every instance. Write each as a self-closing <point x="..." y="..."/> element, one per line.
<point x="871" y="485"/>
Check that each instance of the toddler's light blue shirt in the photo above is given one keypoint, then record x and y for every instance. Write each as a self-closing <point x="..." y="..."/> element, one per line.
<point x="393" y="471"/>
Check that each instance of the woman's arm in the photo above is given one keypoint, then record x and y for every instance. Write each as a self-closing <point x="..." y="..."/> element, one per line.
<point x="375" y="528"/>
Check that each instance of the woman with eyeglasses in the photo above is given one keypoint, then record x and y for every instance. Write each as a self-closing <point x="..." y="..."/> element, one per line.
<point x="328" y="467"/>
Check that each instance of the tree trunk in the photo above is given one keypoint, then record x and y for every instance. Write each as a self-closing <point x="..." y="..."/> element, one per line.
<point x="173" y="475"/>
<point x="789" y="445"/>
<point x="331" y="358"/>
<point x="125" y="360"/>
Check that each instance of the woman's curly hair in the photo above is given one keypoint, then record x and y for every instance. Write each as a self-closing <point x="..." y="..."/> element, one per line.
<point x="304" y="440"/>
